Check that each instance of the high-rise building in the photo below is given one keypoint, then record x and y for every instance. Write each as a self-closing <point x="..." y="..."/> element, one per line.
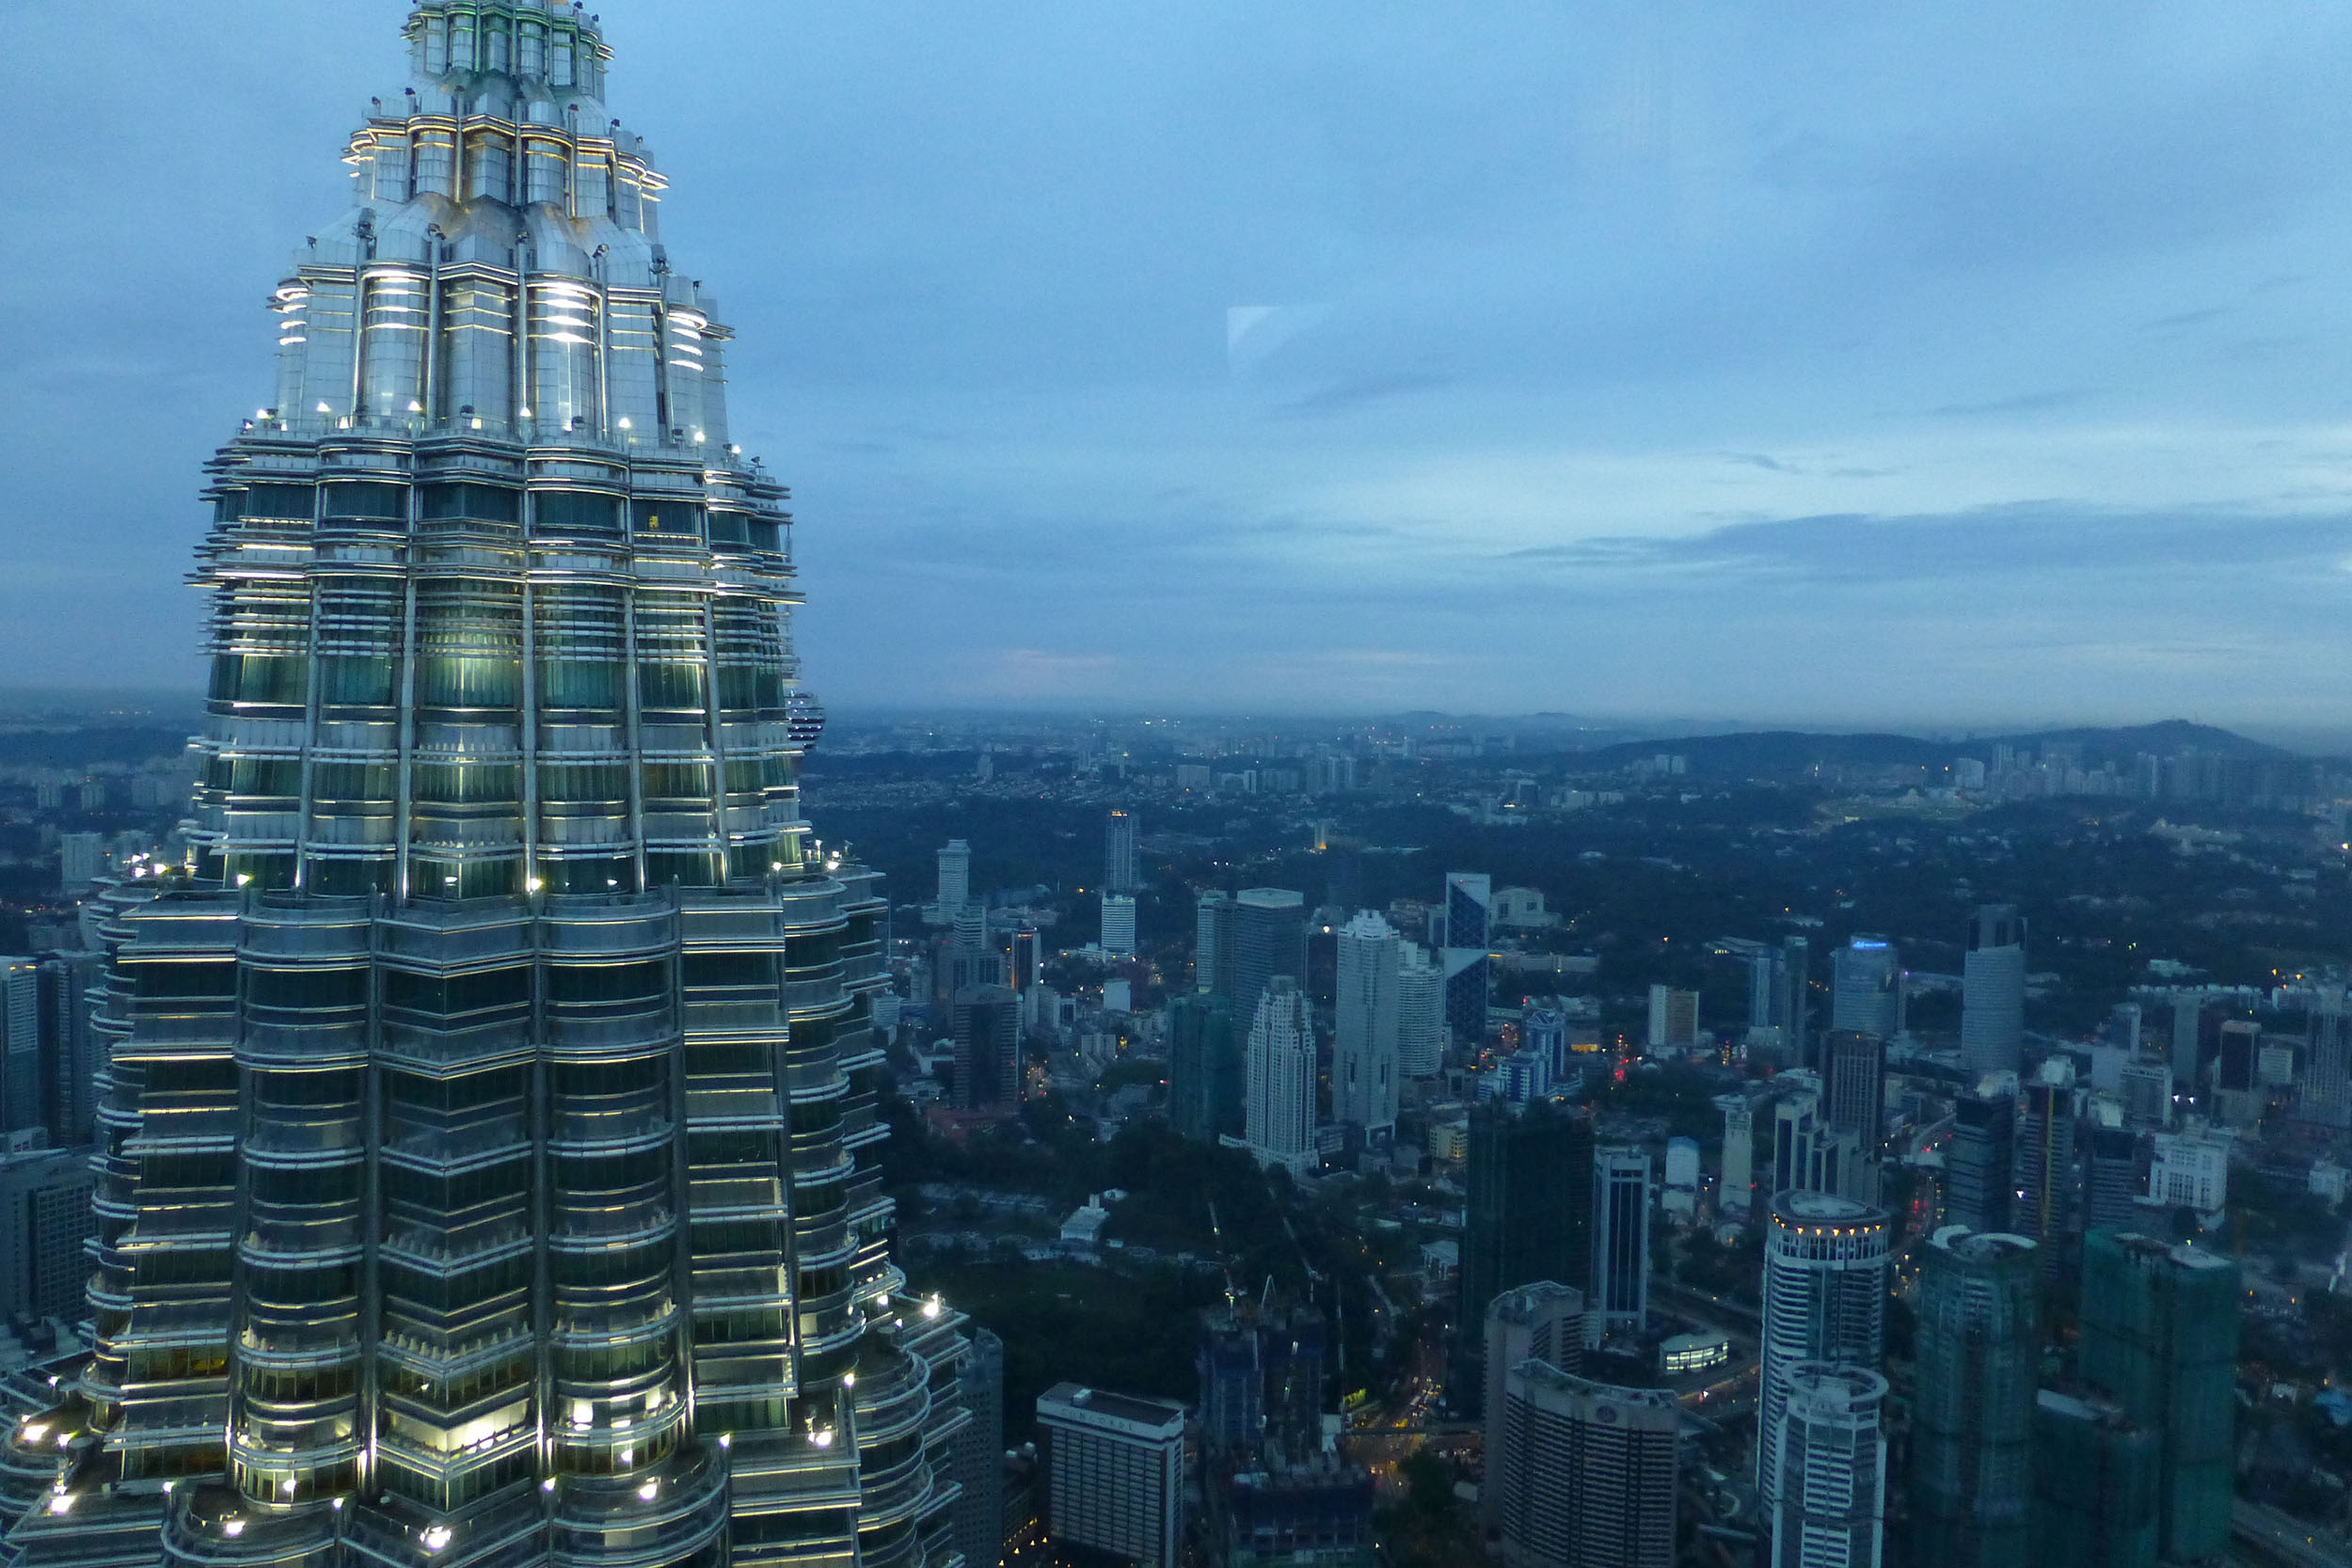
<point x="486" y="1172"/>
<point x="1469" y="983"/>
<point x="1737" y="1194"/>
<point x="1621" y="1204"/>
<point x="2094" y="1487"/>
<point x="1027" y="973"/>
<point x="1270" y="938"/>
<point x="1122" y="869"/>
<point x="980" y="1454"/>
<point x="2241" y="1044"/>
<point x="2327" y="1097"/>
<point x="1528" y="1219"/>
<point x="2112" y="1182"/>
<point x="1419" y="1013"/>
<point x="1213" y="944"/>
<point x="22" y="1104"/>
<point x="1114" y="1472"/>
<point x="1205" y="1072"/>
<point x="2187" y="1049"/>
<point x="1544" y="1031"/>
<point x="1587" y="1474"/>
<point x="989" y="1061"/>
<point x="71" y="1055"/>
<point x="955" y="877"/>
<point x="1793" y="1007"/>
<point x="1866" y="988"/>
<point x="1679" y="1192"/>
<point x="1809" y="1154"/>
<point x="45" y="1222"/>
<point x="1365" y="1057"/>
<point x="1981" y="1157"/>
<point x="1854" y="1085"/>
<point x="1827" y="1506"/>
<point x="1260" y="1371"/>
<point x="1993" y="991"/>
<point x="1825" y="1281"/>
<point x="2045" y="1161"/>
<point x="1979" y="1357"/>
<point x="2125" y="1021"/>
<point x="1544" y="1321"/>
<point x="1279" y="1104"/>
<point x="2191" y="1168"/>
<point x="1674" y="1020"/>
<point x="2159" y="1337"/>
<point x="1118" y="925"/>
<point x="81" y="861"/>
<point x="2146" y="1089"/>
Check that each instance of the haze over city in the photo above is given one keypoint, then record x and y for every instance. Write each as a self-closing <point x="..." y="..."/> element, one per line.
<point x="1834" y="367"/>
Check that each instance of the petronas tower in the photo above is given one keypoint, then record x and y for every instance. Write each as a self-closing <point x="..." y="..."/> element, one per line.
<point x="484" y="1171"/>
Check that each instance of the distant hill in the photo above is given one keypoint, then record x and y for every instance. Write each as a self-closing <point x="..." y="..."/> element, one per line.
<point x="1780" y="751"/>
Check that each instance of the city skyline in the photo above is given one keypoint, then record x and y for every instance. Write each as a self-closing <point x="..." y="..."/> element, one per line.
<point x="1829" y="357"/>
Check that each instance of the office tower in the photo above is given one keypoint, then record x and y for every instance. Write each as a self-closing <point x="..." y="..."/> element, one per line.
<point x="1262" y="1380"/>
<point x="1420" y="1014"/>
<point x="1809" y="1154"/>
<point x="1765" y="987"/>
<point x="1233" y="1382"/>
<point x="2124" y="1026"/>
<point x="1365" y="1066"/>
<point x="1854" y="1085"/>
<point x="81" y="861"/>
<point x="955" y="877"/>
<point x="1528" y="1219"/>
<point x="2146" y="1089"/>
<point x="1114" y="1472"/>
<point x="2094" y="1487"/>
<point x="2159" y="1337"/>
<point x="2112" y="1182"/>
<point x="1793" y="1010"/>
<point x="988" y="1048"/>
<point x="71" y="1061"/>
<point x="1270" y="938"/>
<point x="1027" y="973"/>
<point x="1278" y="1108"/>
<point x="45" y="1219"/>
<point x="1674" y="1020"/>
<point x="22" y="1104"/>
<point x="1522" y="1076"/>
<point x="1621" y="1196"/>
<point x="2045" y="1160"/>
<point x="2187" y="1057"/>
<point x="969" y="932"/>
<point x="1980" y="1158"/>
<point x="1292" y="1344"/>
<point x="1866" y="988"/>
<point x="1588" y="1473"/>
<point x="1979" y="1357"/>
<point x="1993" y="991"/>
<point x="1828" y="1507"/>
<point x="1213" y="943"/>
<point x="1205" y="1070"/>
<point x="1680" y="1195"/>
<point x="1737" y="1192"/>
<point x="1544" y="1031"/>
<point x="2241" y="1041"/>
<point x="980" y="1454"/>
<point x="1544" y="1321"/>
<point x="2191" y="1168"/>
<point x="1121" y="868"/>
<point x="1826" y="1281"/>
<point x="1468" y="905"/>
<point x="2327" y="1097"/>
<point x="1118" y="925"/>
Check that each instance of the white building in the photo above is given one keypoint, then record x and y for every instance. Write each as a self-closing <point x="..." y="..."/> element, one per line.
<point x="1826" y="1281"/>
<point x="1681" y="1195"/>
<point x="1674" y="1020"/>
<point x="1365" y="1063"/>
<point x="1279" y="1101"/>
<point x="1739" y="1184"/>
<point x="1419" y="1013"/>
<point x="1113" y="1472"/>
<point x="2191" y="1168"/>
<point x="1119" y="925"/>
<point x="1829" y="1508"/>
<point x="955" y="877"/>
<point x="81" y="861"/>
<point x="1587" y="1474"/>
<point x="1993" y="991"/>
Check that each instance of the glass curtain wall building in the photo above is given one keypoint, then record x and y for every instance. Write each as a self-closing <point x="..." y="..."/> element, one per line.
<point x="483" y="1168"/>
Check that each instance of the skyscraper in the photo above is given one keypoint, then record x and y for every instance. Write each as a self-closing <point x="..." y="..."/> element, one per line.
<point x="1825" y="1277"/>
<point x="1993" y="991"/>
<point x="1528" y="1219"/>
<point x="1468" y="986"/>
<point x="1737" y="1194"/>
<point x="22" y="1104"/>
<point x="1588" y="1473"/>
<point x="2327" y="1097"/>
<point x="1118" y="925"/>
<point x="45" y="1222"/>
<point x="2045" y="1161"/>
<point x="1827" y="1508"/>
<point x="2188" y="1052"/>
<point x="1270" y="938"/>
<point x="1279" y="1107"/>
<point x="1854" y="1085"/>
<point x="486" y="1173"/>
<point x="1205" y="1072"/>
<point x="955" y="877"/>
<point x="1121" y="870"/>
<point x="1544" y="1321"/>
<point x="2112" y="1182"/>
<point x="1213" y="945"/>
<point x="1981" y="1157"/>
<point x="2094" y="1487"/>
<point x="1979" y="1357"/>
<point x="1115" y="1473"/>
<point x="2160" y="1338"/>
<point x="71" y="1051"/>
<point x="1621" y="1204"/>
<point x="1419" y="1013"/>
<point x="1866" y="988"/>
<point x="1674" y="1020"/>
<point x="988" y="1048"/>
<point x="1365" y="1062"/>
<point x="979" y="1511"/>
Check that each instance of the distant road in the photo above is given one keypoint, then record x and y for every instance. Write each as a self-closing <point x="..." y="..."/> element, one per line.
<point x="2268" y="1535"/>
